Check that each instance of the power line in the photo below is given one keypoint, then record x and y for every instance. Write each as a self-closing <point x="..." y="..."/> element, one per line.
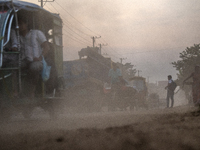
<point x="42" y="5"/>
<point x="111" y="54"/>
<point x="70" y="28"/>
<point x="76" y="34"/>
<point x="68" y="21"/>
<point x="81" y="42"/>
<point x="76" y="19"/>
<point x="75" y="27"/>
<point x="49" y="9"/>
<point x="161" y="50"/>
<point x="76" y="39"/>
<point x="54" y="8"/>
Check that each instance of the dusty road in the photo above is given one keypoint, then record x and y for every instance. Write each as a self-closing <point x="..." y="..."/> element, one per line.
<point x="177" y="128"/>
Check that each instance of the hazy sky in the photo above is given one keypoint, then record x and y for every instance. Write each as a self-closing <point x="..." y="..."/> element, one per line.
<point x="148" y="33"/>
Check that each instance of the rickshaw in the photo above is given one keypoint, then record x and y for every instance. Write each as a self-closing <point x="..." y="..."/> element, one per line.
<point x="120" y="97"/>
<point x="46" y="95"/>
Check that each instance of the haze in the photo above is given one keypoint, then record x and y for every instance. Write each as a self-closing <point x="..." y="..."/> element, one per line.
<point x="149" y="34"/>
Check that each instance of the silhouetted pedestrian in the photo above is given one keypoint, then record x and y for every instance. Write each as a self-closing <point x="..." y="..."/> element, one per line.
<point x="170" y="91"/>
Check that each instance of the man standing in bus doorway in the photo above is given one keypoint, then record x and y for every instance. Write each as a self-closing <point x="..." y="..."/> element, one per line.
<point x="34" y="45"/>
<point x="170" y="91"/>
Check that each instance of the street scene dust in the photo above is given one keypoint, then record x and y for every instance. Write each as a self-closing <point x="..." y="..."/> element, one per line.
<point x="158" y="128"/>
<point x="105" y="75"/>
<point x="175" y="128"/>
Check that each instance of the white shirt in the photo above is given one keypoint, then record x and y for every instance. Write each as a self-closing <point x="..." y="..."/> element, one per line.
<point x="31" y="44"/>
<point x="170" y="81"/>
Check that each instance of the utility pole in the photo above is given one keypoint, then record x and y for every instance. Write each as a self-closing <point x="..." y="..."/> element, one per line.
<point x="122" y="59"/>
<point x="122" y="68"/>
<point x="148" y="78"/>
<point x="41" y="1"/>
<point x="93" y="39"/>
<point x="100" y="45"/>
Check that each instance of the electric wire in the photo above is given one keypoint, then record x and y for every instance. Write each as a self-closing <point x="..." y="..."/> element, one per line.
<point x="76" y="34"/>
<point x="161" y="50"/>
<point x="67" y="36"/>
<point x="70" y="28"/>
<point x="76" y="19"/>
<point x="76" y="39"/>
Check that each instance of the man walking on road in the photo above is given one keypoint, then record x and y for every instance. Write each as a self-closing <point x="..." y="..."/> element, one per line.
<point x="170" y="91"/>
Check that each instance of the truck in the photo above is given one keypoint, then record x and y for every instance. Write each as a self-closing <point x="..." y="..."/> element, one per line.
<point x="86" y="82"/>
<point x="84" y="79"/>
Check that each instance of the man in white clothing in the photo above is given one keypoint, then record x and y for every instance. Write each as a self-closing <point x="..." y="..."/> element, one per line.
<point x="34" y="45"/>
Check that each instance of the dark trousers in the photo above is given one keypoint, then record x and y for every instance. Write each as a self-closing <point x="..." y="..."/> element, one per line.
<point x="170" y="95"/>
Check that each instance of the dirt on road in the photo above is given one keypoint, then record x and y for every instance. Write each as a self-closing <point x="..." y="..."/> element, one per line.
<point x="162" y="129"/>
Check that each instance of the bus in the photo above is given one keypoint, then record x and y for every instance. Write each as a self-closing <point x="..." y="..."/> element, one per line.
<point x="47" y="93"/>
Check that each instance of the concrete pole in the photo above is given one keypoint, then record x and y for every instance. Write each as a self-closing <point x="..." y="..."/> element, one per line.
<point x="42" y="3"/>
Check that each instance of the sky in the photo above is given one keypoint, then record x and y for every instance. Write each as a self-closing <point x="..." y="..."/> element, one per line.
<point x="148" y="34"/>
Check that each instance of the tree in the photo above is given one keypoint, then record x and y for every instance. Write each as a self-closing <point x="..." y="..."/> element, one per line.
<point x="189" y="58"/>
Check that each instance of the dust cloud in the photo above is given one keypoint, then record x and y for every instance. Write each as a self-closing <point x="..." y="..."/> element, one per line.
<point x="159" y="128"/>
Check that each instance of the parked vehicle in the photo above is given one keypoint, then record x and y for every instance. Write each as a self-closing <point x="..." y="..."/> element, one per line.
<point x="120" y="99"/>
<point x="84" y="79"/>
<point x="51" y="25"/>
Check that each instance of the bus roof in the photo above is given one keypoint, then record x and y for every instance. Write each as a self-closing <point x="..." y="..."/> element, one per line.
<point x="25" y="6"/>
